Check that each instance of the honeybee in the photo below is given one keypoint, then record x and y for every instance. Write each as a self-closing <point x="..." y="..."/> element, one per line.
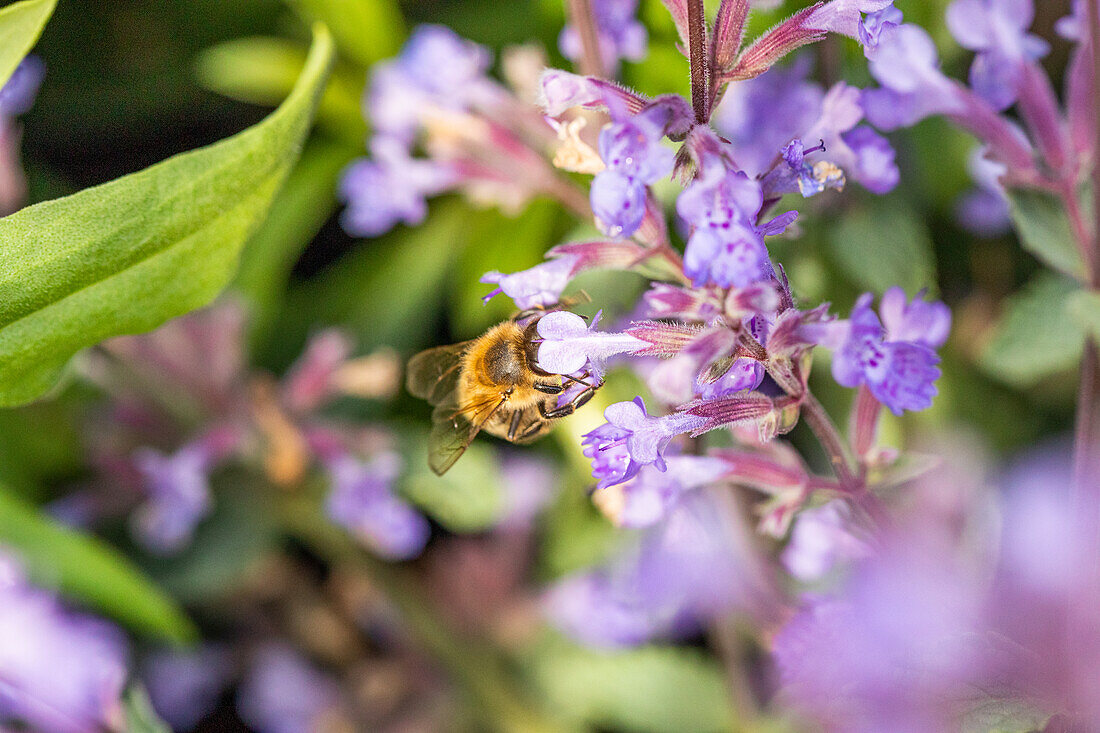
<point x="492" y="383"/>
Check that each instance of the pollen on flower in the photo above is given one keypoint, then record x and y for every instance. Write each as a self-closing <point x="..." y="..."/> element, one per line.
<point x="829" y="175"/>
<point x="574" y="154"/>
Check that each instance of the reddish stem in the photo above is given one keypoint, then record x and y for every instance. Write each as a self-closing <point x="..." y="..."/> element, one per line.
<point x="580" y="14"/>
<point x="699" y="59"/>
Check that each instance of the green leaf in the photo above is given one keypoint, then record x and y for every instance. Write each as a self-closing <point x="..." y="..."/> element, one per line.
<point x="1036" y="336"/>
<point x="1083" y="307"/>
<point x="89" y="570"/>
<point x="128" y="255"/>
<point x="306" y="202"/>
<point x="263" y="70"/>
<point x="365" y="30"/>
<point x="1040" y="220"/>
<point x="646" y="689"/>
<point x="20" y="25"/>
<point x="884" y="244"/>
<point x="139" y="712"/>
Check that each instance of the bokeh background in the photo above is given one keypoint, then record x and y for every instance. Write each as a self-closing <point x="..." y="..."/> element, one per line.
<point x="454" y="639"/>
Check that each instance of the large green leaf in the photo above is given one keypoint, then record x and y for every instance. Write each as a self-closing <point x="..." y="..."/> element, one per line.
<point x="1045" y="231"/>
<point x="20" y="25"/>
<point x="884" y="244"/>
<point x="1037" y="336"/>
<point x="130" y="254"/>
<point x="89" y="570"/>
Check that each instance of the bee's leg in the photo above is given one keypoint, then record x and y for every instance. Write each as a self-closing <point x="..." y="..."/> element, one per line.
<point x="530" y="430"/>
<point x="579" y="400"/>
<point x="514" y="425"/>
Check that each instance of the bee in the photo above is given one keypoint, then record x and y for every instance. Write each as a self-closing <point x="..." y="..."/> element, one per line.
<point x="492" y="383"/>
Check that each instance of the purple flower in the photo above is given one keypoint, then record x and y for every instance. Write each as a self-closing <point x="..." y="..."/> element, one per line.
<point x="900" y="373"/>
<point x="693" y="566"/>
<point x="620" y="34"/>
<point x="178" y="487"/>
<point x="631" y="439"/>
<point x="390" y="187"/>
<point x="283" y="693"/>
<point x="648" y="497"/>
<point x="893" y="651"/>
<point x="184" y="686"/>
<point x="18" y="93"/>
<point x="807" y="179"/>
<point x="984" y="210"/>
<point x="1072" y="27"/>
<point x="845" y="16"/>
<point x="635" y="157"/>
<point x="540" y="286"/>
<point x="60" y="672"/>
<point x="872" y="26"/>
<point x="363" y="502"/>
<point x="761" y="115"/>
<point x="559" y="90"/>
<point x="997" y="31"/>
<point x="906" y="64"/>
<point x="528" y="483"/>
<point x="726" y="247"/>
<point x="920" y="321"/>
<point x="822" y="538"/>
<point x="436" y="68"/>
<point x="873" y="167"/>
<point x="568" y="343"/>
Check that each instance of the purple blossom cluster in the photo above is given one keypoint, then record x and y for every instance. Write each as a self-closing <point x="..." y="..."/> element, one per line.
<point x="721" y="341"/>
<point x="479" y="136"/>
<point x="222" y="416"/>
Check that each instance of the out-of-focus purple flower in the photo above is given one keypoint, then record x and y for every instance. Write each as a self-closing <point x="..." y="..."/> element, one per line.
<point x="726" y="247"/>
<point x="761" y="115"/>
<point x="283" y="693"/>
<point x="178" y="487"/>
<point x="984" y="210"/>
<point x="540" y="286"/>
<point x="390" y="187"/>
<point x="436" y="68"/>
<point x="920" y="321"/>
<point x="631" y="439"/>
<point x="892" y="651"/>
<point x="846" y="16"/>
<point x="184" y="686"/>
<point x="875" y="23"/>
<point x="635" y="157"/>
<point x="528" y="483"/>
<point x="1072" y="27"/>
<point x="60" y="672"/>
<point x="822" y="538"/>
<point x="648" y="497"/>
<point x="18" y="93"/>
<point x="764" y="115"/>
<point x="620" y="34"/>
<point x="900" y="372"/>
<point x="362" y="501"/>
<point x="906" y="64"/>
<point x="874" y="167"/>
<point x="997" y="31"/>
<point x="568" y="343"/>
<point x="693" y="566"/>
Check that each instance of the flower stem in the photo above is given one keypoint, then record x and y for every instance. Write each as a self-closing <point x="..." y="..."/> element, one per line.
<point x="829" y="437"/>
<point x="699" y="59"/>
<point x="580" y="14"/>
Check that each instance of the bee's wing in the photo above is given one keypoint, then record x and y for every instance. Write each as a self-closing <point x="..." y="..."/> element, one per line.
<point x="453" y="429"/>
<point x="432" y="375"/>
